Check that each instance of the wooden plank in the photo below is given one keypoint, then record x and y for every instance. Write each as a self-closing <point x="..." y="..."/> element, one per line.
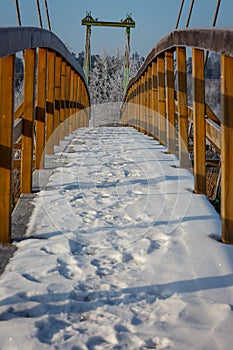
<point x="6" y="144"/>
<point x="18" y="129"/>
<point x="41" y="108"/>
<point x="170" y="101"/>
<point x="18" y="145"/>
<point x="213" y="134"/>
<point x="227" y="146"/>
<point x="28" y="125"/>
<point x="182" y="107"/>
<point x="17" y="163"/>
<point x="211" y="115"/>
<point x="199" y="132"/>
<point x="50" y="102"/>
<point x="161" y="99"/>
<point x="213" y="130"/>
<point x="19" y="111"/>
<point x="57" y="100"/>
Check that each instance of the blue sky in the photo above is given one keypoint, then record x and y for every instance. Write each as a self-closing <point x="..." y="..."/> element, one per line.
<point x="154" y="19"/>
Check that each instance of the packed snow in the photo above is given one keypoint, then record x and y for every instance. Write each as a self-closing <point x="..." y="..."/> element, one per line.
<point x="119" y="254"/>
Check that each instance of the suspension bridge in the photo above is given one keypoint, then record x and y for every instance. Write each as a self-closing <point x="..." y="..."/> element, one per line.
<point x="57" y="104"/>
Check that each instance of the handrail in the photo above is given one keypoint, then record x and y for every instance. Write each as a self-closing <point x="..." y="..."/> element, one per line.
<point x="150" y="106"/>
<point x="18" y="39"/>
<point x="55" y="102"/>
<point x="217" y="40"/>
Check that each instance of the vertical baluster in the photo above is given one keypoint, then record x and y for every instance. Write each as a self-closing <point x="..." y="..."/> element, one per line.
<point x="67" y="99"/>
<point x="143" y="115"/>
<point x="71" y="126"/>
<point x="75" y="101"/>
<point x="6" y="144"/>
<point x="161" y="100"/>
<point x="170" y="101"/>
<point x="41" y="108"/>
<point x="28" y="121"/>
<point x="138" y="105"/>
<point x="149" y="105"/>
<point x="57" y="100"/>
<point x="155" y="99"/>
<point x="226" y="151"/>
<point x="50" y="102"/>
<point x="199" y="127"/>
<point x="146" y="102"/>
<point x="182" y="107"/>
<point x="62" y="106"/>
<point x="79" y="102"/>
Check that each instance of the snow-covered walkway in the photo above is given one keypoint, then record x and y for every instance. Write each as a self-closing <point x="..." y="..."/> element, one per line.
<point x="119" y="254"/>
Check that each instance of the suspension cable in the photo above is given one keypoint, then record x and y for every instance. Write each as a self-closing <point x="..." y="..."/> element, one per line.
<point x="213" y="24"/>
<point x="18" y="12"/>
<point x="216" y="13"/>
<point x="39" y="13"/>
<point x="179" y="14"/>
<point x="190" y="12"/>
<point x="47" y="13"/>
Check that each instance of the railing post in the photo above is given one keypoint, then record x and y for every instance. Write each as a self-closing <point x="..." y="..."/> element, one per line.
<point x="50" y="102"/>
<point x="161" y="100"/>
<point x="226" y="152"/>
<point x="150" y="106"/>
<point x="67" y="99"/>
<point x="155" y="99"/>
<point x="75" y="100"/>
<point x="182" y="107"/>
<point x="170" y="102"/>
<point x="41" y="108"/>
<point x="143" y="116"/>
<point x="139" y="104"/>
<point x="57" y="104"/>
<point x="79" y="102"/>
<point x="6" y="144"/>
<point x="28" y="122"/>
<point x="62" y="110"/>
<point x="71" y="115"/>
<point x="135" y="117"/>
<point x="146" y="101"/>
<point x="199" y="128"/>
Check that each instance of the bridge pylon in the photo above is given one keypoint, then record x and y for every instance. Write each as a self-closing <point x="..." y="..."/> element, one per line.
<point x="127" y="23"/>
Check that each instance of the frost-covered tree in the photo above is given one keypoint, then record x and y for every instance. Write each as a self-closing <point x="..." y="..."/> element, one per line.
<point x="135" y="63"/>
<point x="106" y="77"/>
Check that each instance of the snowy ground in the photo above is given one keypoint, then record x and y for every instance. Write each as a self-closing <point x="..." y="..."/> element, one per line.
<point x="119" y="254"/>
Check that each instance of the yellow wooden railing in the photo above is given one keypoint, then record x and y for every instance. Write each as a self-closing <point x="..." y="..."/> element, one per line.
<point x="153" y="106"/>
<point x="55" y="102"/>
